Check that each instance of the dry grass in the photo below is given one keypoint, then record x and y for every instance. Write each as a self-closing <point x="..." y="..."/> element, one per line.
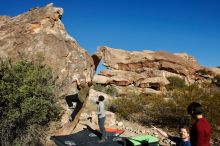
<point x="169" y="109"/>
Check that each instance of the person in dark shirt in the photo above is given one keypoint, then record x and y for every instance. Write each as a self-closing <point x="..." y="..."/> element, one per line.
<point x="182" y="140"/>
<point x="200" y="132"/>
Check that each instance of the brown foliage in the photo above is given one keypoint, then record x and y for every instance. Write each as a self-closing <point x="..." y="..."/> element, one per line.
<point x="169" y="109"/>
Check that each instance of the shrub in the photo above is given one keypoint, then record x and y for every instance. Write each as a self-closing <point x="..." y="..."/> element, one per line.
<point x="169" y="109"/>
<point x="175" y="82"/>
<point x="126" y="105"/>
<point x="26" y="102"/>
<point x="110" y="90"/>
<point x="98" y="87"/>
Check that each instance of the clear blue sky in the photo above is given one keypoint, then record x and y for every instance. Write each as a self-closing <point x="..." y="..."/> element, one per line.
<point x="191" y="26"/>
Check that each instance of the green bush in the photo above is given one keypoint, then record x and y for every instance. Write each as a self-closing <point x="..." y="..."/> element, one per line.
<point x="98" y="87"/>
<point x="126" y="105"/>
<point x="110" y="90"/>
<point x="175" y="82"/>
<point x="26" y="102"/>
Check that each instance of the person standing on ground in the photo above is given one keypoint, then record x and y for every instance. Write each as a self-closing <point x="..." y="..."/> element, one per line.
<point x="101" y="117"/>
<point x="200" y="132"/>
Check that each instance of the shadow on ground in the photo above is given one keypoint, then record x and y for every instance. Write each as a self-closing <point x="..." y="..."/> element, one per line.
<point x="88" y="137"/>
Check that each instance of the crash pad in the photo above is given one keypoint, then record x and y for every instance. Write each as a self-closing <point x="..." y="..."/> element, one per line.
<point x="143" y="140"/>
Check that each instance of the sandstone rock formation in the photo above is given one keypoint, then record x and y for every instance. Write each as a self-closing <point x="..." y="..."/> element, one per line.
<point x="40" y="34"/>
<point x="144" y="69"/>
<point x="214" y="70"/>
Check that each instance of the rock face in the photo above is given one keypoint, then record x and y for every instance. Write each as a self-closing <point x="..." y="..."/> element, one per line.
<point x="215" y="70"/>
<point x="144" y="69"/>
<point x="40" y="34"/>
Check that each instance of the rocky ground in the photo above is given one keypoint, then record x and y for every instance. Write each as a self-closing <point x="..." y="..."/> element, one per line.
<point x="131" y="128"/>
<point x="112" y="121"/>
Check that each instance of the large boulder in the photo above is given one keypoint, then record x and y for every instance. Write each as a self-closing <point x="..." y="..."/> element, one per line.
<point x="124" y="78"/>
<point x="144" y="69"/>
<point x="39" y="34"/>
<point x="215" y="70"/>
<point x="139" y="60"/>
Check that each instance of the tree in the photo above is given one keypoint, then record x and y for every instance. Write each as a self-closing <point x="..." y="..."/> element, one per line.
<point x="27" y="103"/>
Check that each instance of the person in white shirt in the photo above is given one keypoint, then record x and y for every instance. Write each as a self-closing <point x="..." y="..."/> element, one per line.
<point x="101" y="117"/>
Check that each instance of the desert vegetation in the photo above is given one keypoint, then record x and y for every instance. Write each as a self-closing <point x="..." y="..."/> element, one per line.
<point x="175" y="82"/>
<point x="109" y="89"/>
<point x="169" y="109"/>
<point x="27" y="102"/>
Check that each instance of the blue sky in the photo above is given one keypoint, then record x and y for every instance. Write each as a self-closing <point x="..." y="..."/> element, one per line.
<point x="191" y="26"/>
